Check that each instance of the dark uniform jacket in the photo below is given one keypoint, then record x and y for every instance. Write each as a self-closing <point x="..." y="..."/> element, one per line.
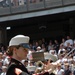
<point x="16" y="64"/>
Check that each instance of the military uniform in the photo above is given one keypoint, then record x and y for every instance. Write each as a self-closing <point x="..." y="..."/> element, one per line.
<point x="16" y="64"/>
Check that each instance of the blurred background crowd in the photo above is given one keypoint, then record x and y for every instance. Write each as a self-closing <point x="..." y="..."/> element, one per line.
<point x="64" y="50"/>
<point x="5" y="3"/>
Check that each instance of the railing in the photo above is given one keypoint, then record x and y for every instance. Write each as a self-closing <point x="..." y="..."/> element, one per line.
<point x="4" y="7"/>
<point x="19" y="6"/>
<point x="53" y="3"/>
<point x="35" y="4"/>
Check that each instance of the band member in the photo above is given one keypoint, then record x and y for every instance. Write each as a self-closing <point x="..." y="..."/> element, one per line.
<point x="18" y="50"/>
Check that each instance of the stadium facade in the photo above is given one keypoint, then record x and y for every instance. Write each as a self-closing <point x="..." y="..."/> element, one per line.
<point x="37" y="18"/>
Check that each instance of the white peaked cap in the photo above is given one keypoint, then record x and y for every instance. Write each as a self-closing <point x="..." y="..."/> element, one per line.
<point x="31" y="68"/>
<point x="19" y="39"/>
<point x="50" y="56"/>
<point x="38" y="47"/>
<point x="4" y="67"/>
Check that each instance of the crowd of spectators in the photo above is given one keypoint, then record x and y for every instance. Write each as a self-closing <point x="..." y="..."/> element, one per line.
<point x="5" y="3"/>
<point x="64" y="51"/>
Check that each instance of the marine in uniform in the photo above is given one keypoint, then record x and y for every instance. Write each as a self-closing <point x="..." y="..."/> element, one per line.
<point x="18" y="50"/>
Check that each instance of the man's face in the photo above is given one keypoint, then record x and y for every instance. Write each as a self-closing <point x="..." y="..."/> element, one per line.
<point x="22" y="53"/>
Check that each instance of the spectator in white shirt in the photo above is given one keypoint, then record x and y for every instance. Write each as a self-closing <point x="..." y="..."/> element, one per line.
<point x="69" y="40"/>
<point x="53" y="52"/>
<point x="61" y="49"/>
<point x="39" y="49"/>
<point x="4" y="69"/>
<point x="59" y="70"/>
<point x="6" y="61"/>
